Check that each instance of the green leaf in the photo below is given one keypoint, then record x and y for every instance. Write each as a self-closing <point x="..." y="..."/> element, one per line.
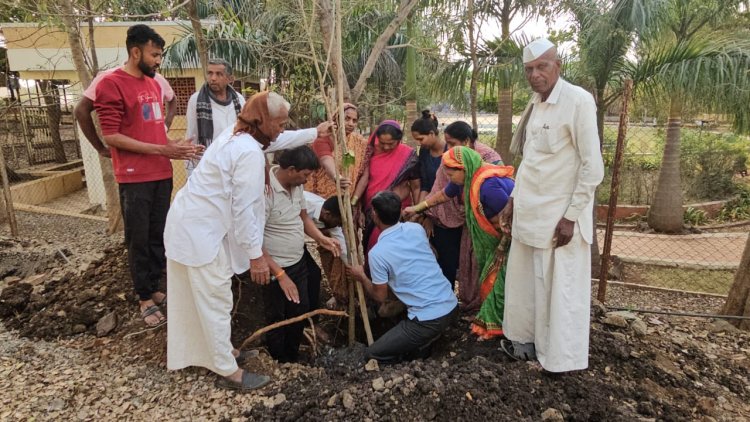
<point x="347" y="160"/>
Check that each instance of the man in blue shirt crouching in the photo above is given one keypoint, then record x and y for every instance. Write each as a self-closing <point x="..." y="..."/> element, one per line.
<point x="403" y="260"/>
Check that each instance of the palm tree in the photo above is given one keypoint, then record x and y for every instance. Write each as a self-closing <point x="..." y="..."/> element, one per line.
<point x="688" y="58"/>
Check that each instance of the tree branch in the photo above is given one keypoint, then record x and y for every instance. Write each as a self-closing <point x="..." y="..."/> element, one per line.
<point x="285" y="322"/>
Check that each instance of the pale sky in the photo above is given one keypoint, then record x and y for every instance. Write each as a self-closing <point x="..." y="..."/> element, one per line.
<point x="534" y="28"/>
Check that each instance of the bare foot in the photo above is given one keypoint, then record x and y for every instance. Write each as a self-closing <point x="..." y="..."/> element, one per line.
<point x="158" y="298"/>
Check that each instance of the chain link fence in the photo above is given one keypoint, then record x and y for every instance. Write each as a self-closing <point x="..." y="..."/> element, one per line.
<point x="53" y="170"/>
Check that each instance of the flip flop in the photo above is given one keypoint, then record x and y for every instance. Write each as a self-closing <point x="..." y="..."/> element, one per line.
<point x="250" y="381"/>
<point x="151" y="310"/>
<point x="245" y="355"/>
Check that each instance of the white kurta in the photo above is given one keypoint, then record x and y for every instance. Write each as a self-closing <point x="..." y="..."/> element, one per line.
<point x="214" y="227"/>
<point x="547" y="291"/>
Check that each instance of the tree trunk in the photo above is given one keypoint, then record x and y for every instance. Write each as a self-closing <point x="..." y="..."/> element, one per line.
<point x="504" y="123"/>
<point x="52" y="103"/>
<point x="200" y="41"/>
<point x="738" y="300"/>
<point x="411" y="80"/>
<point x="665" y="214"/>
<point x="474" y="64"/>
<point x="92" y="44"/>
<point x="114" y="214"/>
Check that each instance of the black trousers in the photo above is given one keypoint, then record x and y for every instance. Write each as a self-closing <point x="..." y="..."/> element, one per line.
<point x="447" y="243"/>
<point x="144" y="211"/>
<point x="283" y="343"/>
<point x="410" y="339"/>
<point x="314" y="276"/>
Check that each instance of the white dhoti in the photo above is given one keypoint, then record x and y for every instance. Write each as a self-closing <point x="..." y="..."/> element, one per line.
<point x="547" y="302"/>
<point x="200" y="306"/>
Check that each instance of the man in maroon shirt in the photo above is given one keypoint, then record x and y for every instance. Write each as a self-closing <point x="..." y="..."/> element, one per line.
<point x="129" y="105"/>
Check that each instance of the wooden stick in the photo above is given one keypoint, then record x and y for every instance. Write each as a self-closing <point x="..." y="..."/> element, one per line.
<point x="285" y="322"/>
<point x="11" y="214"/>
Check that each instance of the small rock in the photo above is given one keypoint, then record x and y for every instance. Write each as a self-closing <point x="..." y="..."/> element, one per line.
<point x="56" y="405"/>
<point x="372" y="365"/>
<point x="552" y="414"/>
<point x="79" y="328"/>
<point x="445" y="364"/>
<point x="106" y="324"/>
<point x="598" y="308"/>
<point x="707" y="406"/>
<point x="639" y="327"/>
<point x="332" y="401"/>
<point x="11" y="280"/>
<point x="278" y="399"/>
<point x="615" y="320"/>
<point x="645" y="408"/>
<point x="398" y="380"/>
<point x="722" y="326"/>
<point x="347" y="400"/>
<point x="629" y="316"/>
<point x="378" y="384"/>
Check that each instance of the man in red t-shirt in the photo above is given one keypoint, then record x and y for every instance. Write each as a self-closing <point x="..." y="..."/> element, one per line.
<point x="129" y="105"/>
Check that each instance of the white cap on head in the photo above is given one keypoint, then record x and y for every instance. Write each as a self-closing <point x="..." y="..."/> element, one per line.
<point x="535" y="49"/>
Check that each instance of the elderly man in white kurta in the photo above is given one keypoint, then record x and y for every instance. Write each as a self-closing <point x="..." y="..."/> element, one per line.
<point x="548" y="281"/>
<point x="215" y="229"/>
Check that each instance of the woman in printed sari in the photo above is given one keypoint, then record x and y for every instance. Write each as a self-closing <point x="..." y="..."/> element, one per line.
<point x="388" y="165"/>
<point x="485" y="189"/>
<point x="323" y="181"/>
<point x="451" y="214"/>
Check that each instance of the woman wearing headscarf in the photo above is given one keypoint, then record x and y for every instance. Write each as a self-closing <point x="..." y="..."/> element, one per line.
<point x="451" y="214"/>
<point x="485" y="189"/>
<point x="215" y="229"/>
<point x="388" y="165"/>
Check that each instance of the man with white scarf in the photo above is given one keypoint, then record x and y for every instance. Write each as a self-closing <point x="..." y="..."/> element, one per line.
<point x="548" y="280"/>
<point x="215" y="229"/>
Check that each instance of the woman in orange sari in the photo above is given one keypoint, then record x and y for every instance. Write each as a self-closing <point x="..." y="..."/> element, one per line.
<point x="388" y="165"/>
<point x="323" y="181"/>
<point x="485" y="189"/>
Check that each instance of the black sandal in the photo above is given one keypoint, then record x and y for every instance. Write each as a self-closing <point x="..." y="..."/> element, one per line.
<point x="151" y="310"/>
<point x="250" y="381"/>
<point x="510" y="350"/>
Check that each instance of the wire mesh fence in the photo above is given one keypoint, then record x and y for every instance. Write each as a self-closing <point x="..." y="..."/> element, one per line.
<point x="54" y="170"/>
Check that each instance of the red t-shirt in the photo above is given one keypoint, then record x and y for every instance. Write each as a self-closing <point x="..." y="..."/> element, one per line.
<point x="133" y="107"/>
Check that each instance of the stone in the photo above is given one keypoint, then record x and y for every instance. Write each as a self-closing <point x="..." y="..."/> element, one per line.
<point x="639" y="327"/>
<point x="707" y="406"/>
<point x="615" y="320"/>
<point x="56" y="404"/>
<point x="106" y="324"/>
<point x="598" y="308"/>
<point x="11" y="280"/>
<point x="372" y="365"/>
<point x="722" y="326"/>
<point x="629" y="316"/>
<point x="552" y="414"/>
<point x="646" y="408"/>
<point x="332" y="401"/>
<point x="347" y="400"/>
<point x="79" y="328"/>
<point x="378" y="384"/>
<point x="278" y="399"/>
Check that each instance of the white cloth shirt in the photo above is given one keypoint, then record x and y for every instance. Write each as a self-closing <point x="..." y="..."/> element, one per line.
<point x="284" y="235"/>
<point x="561" y="167"/>
<point x="224" y="201"/>
<point x="222" y="117"/>
<point x="314" y="205"/>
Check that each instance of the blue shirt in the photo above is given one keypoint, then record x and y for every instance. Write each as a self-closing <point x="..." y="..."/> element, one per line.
<point x="403" y="259"/>
<point x="428" y="167"/>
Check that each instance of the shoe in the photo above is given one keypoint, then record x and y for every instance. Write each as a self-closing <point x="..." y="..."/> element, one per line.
<point x="250" y="381"/>
<point x="245" y="355"/>
<point x="518" y="351"/>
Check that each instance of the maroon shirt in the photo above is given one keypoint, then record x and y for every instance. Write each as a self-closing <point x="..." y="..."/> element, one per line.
<point x="133" y="107"/>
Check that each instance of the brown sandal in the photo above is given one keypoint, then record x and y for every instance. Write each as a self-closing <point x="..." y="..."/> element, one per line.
<point x="152" y="310"/>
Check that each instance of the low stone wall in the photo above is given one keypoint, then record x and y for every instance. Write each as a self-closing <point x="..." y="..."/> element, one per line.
<point x="625" y="211"/>
<point x="49" y="186"/>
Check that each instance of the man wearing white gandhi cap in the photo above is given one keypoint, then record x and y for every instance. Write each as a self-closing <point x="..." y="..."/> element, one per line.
<point x="549" y="214"/>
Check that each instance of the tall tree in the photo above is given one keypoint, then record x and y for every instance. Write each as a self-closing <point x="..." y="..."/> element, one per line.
<point x="738" y="299"/>
<point x="687" y="58"/>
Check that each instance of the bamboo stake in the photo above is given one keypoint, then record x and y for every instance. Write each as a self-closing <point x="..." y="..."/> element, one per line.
<point x="8" y="197"/>
<point x="289" y="321"/>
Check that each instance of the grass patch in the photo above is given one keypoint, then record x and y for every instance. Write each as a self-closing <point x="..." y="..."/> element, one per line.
<point x="708" y="281"/>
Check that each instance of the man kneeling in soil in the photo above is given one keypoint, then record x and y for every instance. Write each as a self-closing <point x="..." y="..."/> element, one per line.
<point x="403" y="260"/>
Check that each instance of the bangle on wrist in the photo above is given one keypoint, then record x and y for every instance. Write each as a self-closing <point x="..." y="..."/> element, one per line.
<point x="354" y="200"/>
<point x="280" y="273"/>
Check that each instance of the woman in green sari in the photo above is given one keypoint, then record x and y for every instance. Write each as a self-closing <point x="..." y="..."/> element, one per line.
<point x="486" y="189"/>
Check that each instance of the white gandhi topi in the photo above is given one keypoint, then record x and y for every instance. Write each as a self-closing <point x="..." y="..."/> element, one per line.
<point x="536" y="49"/>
